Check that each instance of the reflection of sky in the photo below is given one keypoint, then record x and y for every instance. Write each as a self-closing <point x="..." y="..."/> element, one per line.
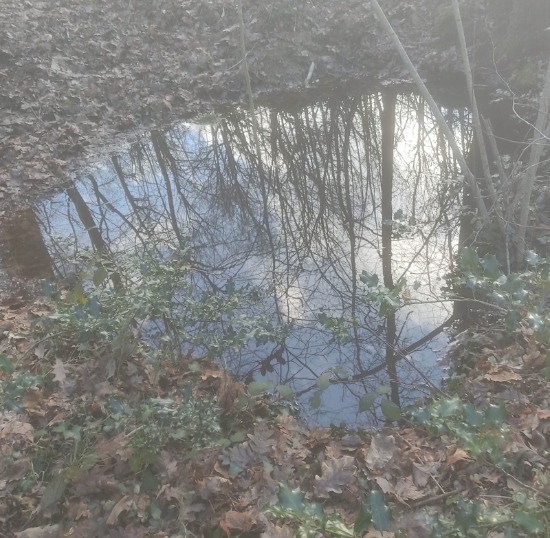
<point x="214" y="197"/>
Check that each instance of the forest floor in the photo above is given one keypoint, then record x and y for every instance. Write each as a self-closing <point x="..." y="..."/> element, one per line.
<point x="78" y="77"/>
<point x="96" y="444"/>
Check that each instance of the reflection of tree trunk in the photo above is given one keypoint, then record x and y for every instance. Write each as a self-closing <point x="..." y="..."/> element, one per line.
<point x="388" y="136"/>
<point x="126" y="189"/>
<point x="155" y="138"/>
<point x="96" y="238"/>
<point x="24" y="252"/>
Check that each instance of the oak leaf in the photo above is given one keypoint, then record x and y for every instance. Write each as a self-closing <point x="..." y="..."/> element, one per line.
<point x="336" y="473"/>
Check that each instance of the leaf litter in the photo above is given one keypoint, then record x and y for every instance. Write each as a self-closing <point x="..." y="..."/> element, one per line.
<point x="224" y="487"/>
<point x="74" y="76"/>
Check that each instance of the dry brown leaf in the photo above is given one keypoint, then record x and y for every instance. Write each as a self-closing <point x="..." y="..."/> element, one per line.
<point x="416" y="525"/>
<point x="336" y="473"/>
<point x="380" y="451"/>
<point x="212" y="485"/>
<point x="124" y="504"/>
<point x="211" y="374"/>
<point x="502" y="376"/>
<point x="458" y="455"/>
<point x="405" y="490"/>
<point x="238" y="521"/>
<point x="422" y="472"/>
<point x="49" y="531"/>
<point x="274" y="531"/>
<point x="59" y="372"/>
<point x="543" y="414"/>
<point x="384" y="484"/>
<point x="15" y="428"/>
<point x="16" y="470"/>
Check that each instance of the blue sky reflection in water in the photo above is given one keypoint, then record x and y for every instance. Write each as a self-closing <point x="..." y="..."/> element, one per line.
<point x="303" y="227"/>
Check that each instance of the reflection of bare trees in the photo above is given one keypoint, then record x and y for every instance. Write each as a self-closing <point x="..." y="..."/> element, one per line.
<point x="319" y="209"/>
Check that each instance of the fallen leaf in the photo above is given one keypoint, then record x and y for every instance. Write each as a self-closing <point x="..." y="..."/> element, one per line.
<point x="422" y="472"/>
<point x="385" y="485"/>
<point x="458" y="455"/>
<point x="238" y="521"/>
<point x="380" y="451"/>
<point x="212" y="485"/>
<point x="503" y="376"/>
<point x="405" y="490"/>
<point x="336" y="473"/>
<point x="124" y="504"/>
<point x="49" y="531"/>
<point x="16" y="470"/>
<point x="59" y="372"/>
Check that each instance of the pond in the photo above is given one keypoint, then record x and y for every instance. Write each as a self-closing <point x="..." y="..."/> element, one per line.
<point x="344" y="212"/>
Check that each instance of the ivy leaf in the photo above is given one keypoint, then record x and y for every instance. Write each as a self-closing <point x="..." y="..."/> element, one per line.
<point x="532" y="258"/>
<point x="100" y="276"/>
<point x="370" y="280"/>
<point x="473" y="417"/>
<point x="495" y="415"/>
<point x="363" y="521"/>
<point x="389" y="305"/>
<point x="449" y="407"/>
<point x="284" y="391"/>
<point x="390" y="410"/>
<point x="323" y="381"/>
<point x="315" y="400"/>
<point x="491" y="265"/>
<point x="367" y="401"/>
<point x="258" y="387"/>
<point x="292" y="499"/>
<point x="470" y="258"/>
<point x="529" y="523"/>
<point x="380" y="512"/>
<point x="6" y="365"/>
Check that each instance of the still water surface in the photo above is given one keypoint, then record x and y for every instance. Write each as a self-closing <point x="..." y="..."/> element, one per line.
<point x="303" y="220"/>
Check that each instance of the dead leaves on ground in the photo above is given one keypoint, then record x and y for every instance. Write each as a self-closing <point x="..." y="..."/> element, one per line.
<point x="225" y="487"/>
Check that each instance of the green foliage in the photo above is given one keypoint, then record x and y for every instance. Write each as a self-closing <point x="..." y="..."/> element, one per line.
<point x="193" y="422"/>
<point x="157" y="307"/>
<point x="338" y="326"/>
<point x="516" y="295"/>
<point x="14" y="387"/>
<point x="480" y="433"/>
<point x="483" y="435"/>
<point x="309" y="519"/>
<point x="387" y="301"/>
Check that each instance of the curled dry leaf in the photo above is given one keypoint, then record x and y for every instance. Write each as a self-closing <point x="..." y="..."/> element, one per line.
<point x="457" y="456"/>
